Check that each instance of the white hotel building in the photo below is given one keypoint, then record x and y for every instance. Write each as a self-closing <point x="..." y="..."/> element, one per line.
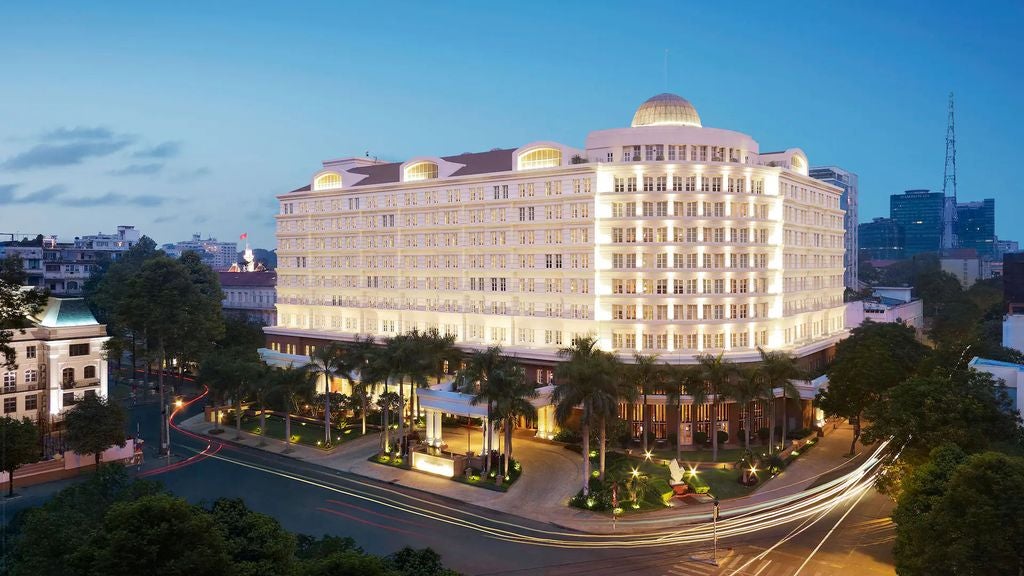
<point x="664" y="238"/>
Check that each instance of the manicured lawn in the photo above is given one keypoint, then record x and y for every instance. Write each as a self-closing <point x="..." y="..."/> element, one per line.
<point x="302" y="432"/>
<point x="726" y="483"/>
<point x="729" y="455"/>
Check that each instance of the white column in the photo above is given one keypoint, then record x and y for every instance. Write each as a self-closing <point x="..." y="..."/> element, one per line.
<point x="542" y="422"/>
<point x="551" y="421"/>
<point x="429" y="417"/>
<point x="54" y="390"/>
<point x="438" y="436"/>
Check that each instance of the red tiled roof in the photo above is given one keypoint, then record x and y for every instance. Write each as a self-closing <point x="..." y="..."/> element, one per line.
<point x="248" y="279"/>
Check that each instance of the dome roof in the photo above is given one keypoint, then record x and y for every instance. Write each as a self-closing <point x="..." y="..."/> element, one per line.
<point x="666" y="110"/>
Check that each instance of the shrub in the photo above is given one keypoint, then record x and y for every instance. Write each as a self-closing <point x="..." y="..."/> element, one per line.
<point x="723" y="436"/>
<point x="762" y="435"/>
<point x="568" y="436"/>
<point x="700" y="438"/>
<point x="672" y="439"/>
<point x="799" y="433"/>
<point x="697" y="484"/>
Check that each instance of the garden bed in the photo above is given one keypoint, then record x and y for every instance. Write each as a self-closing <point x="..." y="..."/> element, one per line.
<point x="469" y="480"/>
<point x="303" y="432"/>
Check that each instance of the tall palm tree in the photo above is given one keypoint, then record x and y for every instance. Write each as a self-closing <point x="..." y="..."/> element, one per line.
<point x="586" y="377"/>
<point x="779" y="369"/>
<point x="293" y="386"/>
<point x="717" y="372"/>
<point x="508" y="391"/>
<point x="387" y="402"/>
<point x="360" y="359"/>
<point x="474" y="379"/>
<point x="646" y="375"/>
<point x="326" y="362"/>
<point x="746" y="389"/>
<point x="683" y="380"/>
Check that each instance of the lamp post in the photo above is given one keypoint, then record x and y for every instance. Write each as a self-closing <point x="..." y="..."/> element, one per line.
<point x="714" y="529"/>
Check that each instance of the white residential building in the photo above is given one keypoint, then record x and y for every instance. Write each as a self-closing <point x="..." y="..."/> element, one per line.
<point x="59" y="361"/>
<point x="217" y="255"/>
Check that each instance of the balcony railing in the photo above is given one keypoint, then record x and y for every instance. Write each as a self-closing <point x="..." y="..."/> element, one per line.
<point x="21" y="388"/>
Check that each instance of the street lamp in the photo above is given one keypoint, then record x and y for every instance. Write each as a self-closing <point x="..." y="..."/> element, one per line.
<point x="714" y="528"/>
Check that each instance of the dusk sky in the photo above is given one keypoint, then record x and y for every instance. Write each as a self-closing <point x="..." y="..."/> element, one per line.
<point x="186" y="118"/>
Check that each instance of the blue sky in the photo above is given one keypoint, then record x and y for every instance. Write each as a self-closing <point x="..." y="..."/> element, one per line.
<point x="184" y="117"/>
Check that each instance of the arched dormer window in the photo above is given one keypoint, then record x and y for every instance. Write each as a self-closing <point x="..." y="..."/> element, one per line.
<point x="540" y="158"/>
<point x="420" y="171"/>
<point x="327" y="181"/>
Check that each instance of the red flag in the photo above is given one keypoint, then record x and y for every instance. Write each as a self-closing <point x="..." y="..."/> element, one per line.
<point x="244" y="236"/>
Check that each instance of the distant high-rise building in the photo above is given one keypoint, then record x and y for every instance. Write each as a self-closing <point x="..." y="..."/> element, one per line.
<point x="1013" y="279"/>
<point x="976" y="226"/>
<point x="881" y="239"/>
<point x="921" y="215"/>
<point x="1006" y="247"/>
<point x="847" y="181"/>
<point x="217" y="255"/>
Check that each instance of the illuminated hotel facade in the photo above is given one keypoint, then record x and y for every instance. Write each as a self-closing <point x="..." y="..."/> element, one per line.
<point x="663" y="238"/>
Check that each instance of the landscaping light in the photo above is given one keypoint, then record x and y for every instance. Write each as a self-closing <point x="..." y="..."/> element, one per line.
<point x="635" y="473"/>
<point x="595" y="473"/>
<point x="178" y="403"/>
<point x="693" y="471"/>
<point x="648" y="454"/>
<point x="753" y="469"/>
<point x="593" y="453"/>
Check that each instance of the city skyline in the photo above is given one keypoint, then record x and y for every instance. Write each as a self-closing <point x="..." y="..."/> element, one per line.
<point x="174" y="153"/>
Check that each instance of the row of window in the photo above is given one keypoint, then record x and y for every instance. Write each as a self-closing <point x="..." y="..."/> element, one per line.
<point x="691" y="209"/>
<point x="689" y="286"/>
<point x="689" y="341"/>
<point x="702" y="183"/>
<point x="665" y="234"/>
<point x="31" y="403"/>
<point x="689" y="311"/>
<point x="672" y="152"/>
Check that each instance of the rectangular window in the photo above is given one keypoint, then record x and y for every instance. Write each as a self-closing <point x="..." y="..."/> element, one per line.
<point x="30" y="352"/>
<point x="10" y="405"/>
<point x="78" y="350"/>
<point x="32" y="402"/>
<point x="677" y="183"/>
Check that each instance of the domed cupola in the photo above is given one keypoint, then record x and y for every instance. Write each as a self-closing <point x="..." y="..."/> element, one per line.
<point x="666" y="110"/>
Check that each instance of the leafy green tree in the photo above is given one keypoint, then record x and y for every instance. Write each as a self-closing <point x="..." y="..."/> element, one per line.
<point x="718" y="374"/>
<point x="19" y="445"/>
<point x="256" y="542"/>
<point x="93" y="425"/>
<point x="48" y="536"/>
<point x="204" y="324"/>
<point x="326" y="362"/>
<point x="587" y="377"/>
<point x="17" y="306"/>
<point x="422" y="562"/>
<point x="967" y="409"/>
<point x="779" y="369"/>
<point x="875" y="358"/>
<point x="261" y="386"/>
<point x="962" y="515"/>
<point x="158" y="534"/>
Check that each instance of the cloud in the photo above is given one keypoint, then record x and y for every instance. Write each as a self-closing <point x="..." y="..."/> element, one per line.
<point x="167" y="149"/>
<point x="199" y="220"/>
<point x="137" y="169"/>
<point x="166" y="218"/>
<point x="115" y="198"/>
<point x="43" y="196"/>
<point x="79" y="133"/>
<point x="190" y="175"/>
<point x="49" y="155"/>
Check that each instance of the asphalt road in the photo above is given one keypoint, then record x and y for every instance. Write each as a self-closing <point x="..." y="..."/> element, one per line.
<point x="854" y="537"/>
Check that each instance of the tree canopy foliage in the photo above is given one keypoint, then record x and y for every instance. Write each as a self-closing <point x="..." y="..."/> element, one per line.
<point x="111" y="524"/>
<point x="17" y="306"/>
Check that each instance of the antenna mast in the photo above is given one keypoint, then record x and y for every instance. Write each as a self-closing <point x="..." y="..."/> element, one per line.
<point x="949" y="173"/>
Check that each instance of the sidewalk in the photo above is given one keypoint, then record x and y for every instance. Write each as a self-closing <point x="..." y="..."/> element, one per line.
<point x="552" y="474"/>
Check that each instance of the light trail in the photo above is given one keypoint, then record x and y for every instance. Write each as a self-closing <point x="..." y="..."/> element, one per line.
<point x="813" y="503"/>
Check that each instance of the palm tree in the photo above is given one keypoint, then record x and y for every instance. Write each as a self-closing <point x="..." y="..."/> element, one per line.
<point x="683" y="380"/>
<point x="387" y="402"/>
<point x="748" y="388"/>
<point x="292" y="385"/>
<point x="260" y="386"/>
<point x="646" y="374"/>
<point x="716" y="372"/>
<point x="360" y="358"/>
<point x="585" y="377"/>
<point x="474" y="377"/>
<point x="326" y="362"/>
<point x="779" y="369"/>
<point x="508" y="392"/>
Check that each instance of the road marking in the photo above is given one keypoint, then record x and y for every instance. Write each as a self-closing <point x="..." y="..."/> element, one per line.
<point x="838" y="522"/>
<point x="763" y="566"/>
